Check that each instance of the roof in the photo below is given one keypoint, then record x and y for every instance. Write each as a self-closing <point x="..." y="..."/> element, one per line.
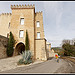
<point x="48" y="43"/>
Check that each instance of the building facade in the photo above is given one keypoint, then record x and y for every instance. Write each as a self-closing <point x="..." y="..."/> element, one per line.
<point x="22" y="18"/>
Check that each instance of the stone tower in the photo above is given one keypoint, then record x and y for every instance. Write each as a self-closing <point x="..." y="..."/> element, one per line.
<point x="27" y="13"/>
<point x="22" y="18"/>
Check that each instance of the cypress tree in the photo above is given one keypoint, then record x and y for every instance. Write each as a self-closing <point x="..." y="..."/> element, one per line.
<point x="10" y="45"/>
<point x="27" y="41"/>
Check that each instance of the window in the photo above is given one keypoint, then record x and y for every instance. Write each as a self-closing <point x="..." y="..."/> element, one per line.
<point x="22" y="21"/>
<point x="21" y="33"/>
<point x="38" y="24"/>
<point x="38" y="35"/>
<point x="9" y="25"/>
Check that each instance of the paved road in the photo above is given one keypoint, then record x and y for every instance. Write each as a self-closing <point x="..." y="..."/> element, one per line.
<point x="68" y="67"/>
<point x="50" y="66"/>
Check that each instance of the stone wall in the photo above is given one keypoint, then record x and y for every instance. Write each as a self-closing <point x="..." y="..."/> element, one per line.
<point x="48" y="45"/>
<point x="3" y="46"/>
<point x="5" y="19"/>
<point x="27" y="13"/>
<point x="51" y="53"/>
<point x="11" y="22"/>
<point x="48" y="49"/>
<point x="41" y="49"/>
<point x="39" y="17"/>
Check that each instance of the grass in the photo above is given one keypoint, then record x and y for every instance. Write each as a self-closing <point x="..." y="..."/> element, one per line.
<point x="68" y="58"/>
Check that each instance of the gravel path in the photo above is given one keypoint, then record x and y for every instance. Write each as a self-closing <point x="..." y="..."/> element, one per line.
<point x="11" y="63"/>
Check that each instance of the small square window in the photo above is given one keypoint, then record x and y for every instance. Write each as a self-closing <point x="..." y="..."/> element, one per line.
<point x="38" y="35"/>
<point x="9" y="25"/>
<point x="21" y="34"/>
<point x="22" y="21"/>
<point x="38" y="24"/>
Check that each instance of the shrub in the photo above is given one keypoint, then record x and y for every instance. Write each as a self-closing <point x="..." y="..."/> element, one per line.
<point x="20" y="62"/>
<point x="26" y="57"/>
<point x="10" y="45"/>
<point x="69" y="50"/>
<point x="27" y="41"/>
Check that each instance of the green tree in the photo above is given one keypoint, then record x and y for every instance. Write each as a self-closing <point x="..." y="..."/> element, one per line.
<point x="10" y="45"/>
<point x="27" y="41"/>
<point x="74" y="43"/>
<point x="58" y="50"/>
<point x="69" y="50"/>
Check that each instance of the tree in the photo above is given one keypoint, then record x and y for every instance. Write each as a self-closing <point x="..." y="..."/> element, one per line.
<point x="10" y="45"/>
<point x="74" y="43"/>
<point x="58" y="50"/>
<point x="27" y="41"/>
<point x="69" y="50"/>
<point x="66" y="41"/>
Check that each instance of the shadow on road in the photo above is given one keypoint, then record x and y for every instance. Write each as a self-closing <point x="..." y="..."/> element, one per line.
<point x="50" y="58"/>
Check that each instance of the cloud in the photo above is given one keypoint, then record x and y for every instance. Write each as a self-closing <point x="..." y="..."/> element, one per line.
<point x="55" y="43"/>
<point x="58" y="18"/>
<point x="53" y="12"/>
<point x="60" y="22"/>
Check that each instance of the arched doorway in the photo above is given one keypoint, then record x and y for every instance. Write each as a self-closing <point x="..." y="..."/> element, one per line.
<point x="19" y="48"/>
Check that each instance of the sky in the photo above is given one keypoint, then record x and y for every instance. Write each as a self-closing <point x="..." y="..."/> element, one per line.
<point x="58" y="18"/>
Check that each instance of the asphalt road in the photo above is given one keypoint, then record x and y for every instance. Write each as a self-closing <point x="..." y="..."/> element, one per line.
<point x="50" y="66"/>
<point x="68" y="67"/>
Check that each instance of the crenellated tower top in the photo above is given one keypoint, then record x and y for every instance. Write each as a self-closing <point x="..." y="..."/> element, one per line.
<point x="22" y="6"/>
<point x="6" y="14"/>
<point x="39" y="13"/>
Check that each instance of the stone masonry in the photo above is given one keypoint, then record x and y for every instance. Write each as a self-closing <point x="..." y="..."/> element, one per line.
<point x="11" y="22"/>
<point x="3" y="46"/>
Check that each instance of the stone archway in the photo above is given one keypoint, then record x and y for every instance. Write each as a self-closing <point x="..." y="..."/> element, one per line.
<point x="19" y="48"/>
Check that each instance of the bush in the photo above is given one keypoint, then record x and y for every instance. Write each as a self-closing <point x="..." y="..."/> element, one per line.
<point x="58" y="50"/>
<point x="69" y="50"/>
<point x="10" y="45"/>
<point x="27" y="41"/>
<point x="20" y="62"/>
<point x="26" y="57"/>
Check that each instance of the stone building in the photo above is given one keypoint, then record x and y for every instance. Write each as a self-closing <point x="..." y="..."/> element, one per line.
<point x="22" y="18"/>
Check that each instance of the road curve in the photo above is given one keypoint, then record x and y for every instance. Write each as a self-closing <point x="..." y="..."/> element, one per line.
<point x="50" y="66"/>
